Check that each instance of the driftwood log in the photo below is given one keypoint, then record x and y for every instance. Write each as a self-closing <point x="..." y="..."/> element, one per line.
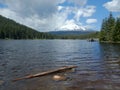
<point x="62" y="69"/>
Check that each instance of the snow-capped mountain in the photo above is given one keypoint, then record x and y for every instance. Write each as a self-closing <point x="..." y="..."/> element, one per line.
<point x="71" y="25"/>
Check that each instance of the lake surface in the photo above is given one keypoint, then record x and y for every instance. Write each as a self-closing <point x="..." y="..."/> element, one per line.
<point x="98" y="64"/>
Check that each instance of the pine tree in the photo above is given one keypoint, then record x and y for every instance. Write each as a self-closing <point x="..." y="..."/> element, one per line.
<point x="103" y="30"/>
<point x="116" y="33"/>
<point x="110" y="27"/>
<point x="107" y="29"/>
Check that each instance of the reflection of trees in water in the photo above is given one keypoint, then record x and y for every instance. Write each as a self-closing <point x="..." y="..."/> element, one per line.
<point x="110" y="51"/>
<point x="110" y="54"/>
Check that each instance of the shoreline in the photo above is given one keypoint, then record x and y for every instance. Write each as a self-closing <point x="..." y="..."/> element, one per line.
<point x="111" y="42"/>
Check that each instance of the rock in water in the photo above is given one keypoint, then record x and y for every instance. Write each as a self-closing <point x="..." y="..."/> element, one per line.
<point x="59" y="78"/>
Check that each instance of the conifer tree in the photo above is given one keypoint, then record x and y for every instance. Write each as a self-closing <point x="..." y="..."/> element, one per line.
<point x="116" y="33"/>
<point x="110" y="27"/>
<point x="103" y="30"/>
<point x="107" y="29"/>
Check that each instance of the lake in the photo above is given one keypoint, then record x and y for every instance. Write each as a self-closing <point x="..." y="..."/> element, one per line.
<point x="98" y="64"/>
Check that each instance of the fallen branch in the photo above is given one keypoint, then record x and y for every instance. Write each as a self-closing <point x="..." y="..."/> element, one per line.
<point x="46" y="73"/>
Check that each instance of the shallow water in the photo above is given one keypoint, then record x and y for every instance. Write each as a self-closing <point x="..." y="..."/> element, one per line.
<point x="98" y="64"/>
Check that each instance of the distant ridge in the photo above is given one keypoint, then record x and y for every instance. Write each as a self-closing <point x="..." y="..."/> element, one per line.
<point x="71" y="32"/>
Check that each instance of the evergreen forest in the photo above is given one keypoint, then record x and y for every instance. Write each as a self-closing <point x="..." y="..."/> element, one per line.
<point x="110" y="29"/>
<point x="10" y="29"/>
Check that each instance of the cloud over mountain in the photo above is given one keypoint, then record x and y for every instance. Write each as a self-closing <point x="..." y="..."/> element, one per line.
<point x="48" y="15"/>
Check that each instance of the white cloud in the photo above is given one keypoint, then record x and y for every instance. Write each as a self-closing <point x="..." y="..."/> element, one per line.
<point x="78" y="14"/>
<point x="89" y="21"/>
<point x="78" y="2"/>
<point x="39" y="14"/>
<point x="10" y="14"/>
<point x="1" y="1"/>
<point x="43" y="8"/>
<point x="88" y="11"/>
<point x="46" y="15"/>
<point x="60" y="8"/>
<point x="40" y="24"/>
<point x="90" y="27"/>
<point x="84" y="12"/>
<point x="113" y="5"/>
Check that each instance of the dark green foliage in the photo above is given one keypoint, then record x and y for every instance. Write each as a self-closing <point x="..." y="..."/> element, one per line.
<point x="103" y="30"/>
<point x="81" y="36"/>
<point x="110" y="29"/>
<point x="9" y="29"/>
<point x="116" y="33"/>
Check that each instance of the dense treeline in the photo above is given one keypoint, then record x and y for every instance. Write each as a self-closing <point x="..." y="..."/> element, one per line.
<point x="110" y="29"/>
<point x="9" y="29"/>
<point x="81" y="36"/>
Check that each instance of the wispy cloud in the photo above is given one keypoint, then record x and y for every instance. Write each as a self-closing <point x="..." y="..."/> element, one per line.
<point x="84" y="12"/>
<point x="89" y="21"/>
<point x="78" y="2"/>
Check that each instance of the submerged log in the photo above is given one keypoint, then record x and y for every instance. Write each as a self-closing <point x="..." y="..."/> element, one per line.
<point x="62" y="69"/>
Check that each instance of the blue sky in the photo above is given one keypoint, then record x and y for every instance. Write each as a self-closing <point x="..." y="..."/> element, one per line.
<point x="101" y="11"/>
<point x="50" y="15"/>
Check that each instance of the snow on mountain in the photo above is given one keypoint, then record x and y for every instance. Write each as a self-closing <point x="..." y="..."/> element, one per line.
<point x="71" y="25"/>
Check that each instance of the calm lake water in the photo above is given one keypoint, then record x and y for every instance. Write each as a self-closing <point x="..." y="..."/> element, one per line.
<point x="98" y="64"/>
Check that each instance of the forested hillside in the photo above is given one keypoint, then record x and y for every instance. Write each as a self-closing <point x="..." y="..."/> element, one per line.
<point x="9" y="29"/>
<point x="80" y="36"/>
<point x="110" y="29"/>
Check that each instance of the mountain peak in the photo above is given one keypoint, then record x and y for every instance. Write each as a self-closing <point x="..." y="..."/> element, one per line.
<point x="71" y="25"/>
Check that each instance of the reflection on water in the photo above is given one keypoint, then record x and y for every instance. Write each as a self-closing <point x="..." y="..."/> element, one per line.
<point x="98" y="64"/>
